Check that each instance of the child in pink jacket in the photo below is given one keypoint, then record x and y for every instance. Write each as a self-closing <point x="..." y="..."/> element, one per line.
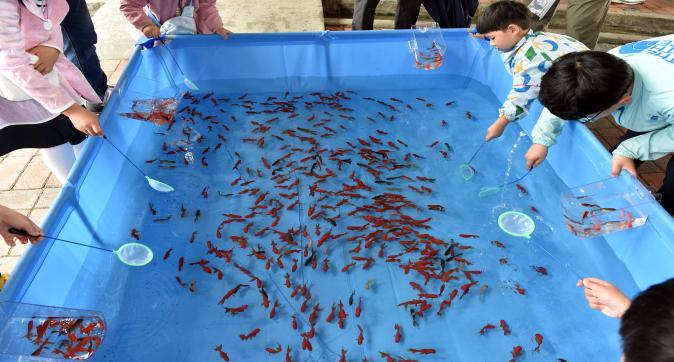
<point x="47" y="114"/>
<point x="206" y="15"/>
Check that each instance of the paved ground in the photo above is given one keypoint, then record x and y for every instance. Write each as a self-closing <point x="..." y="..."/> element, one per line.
<point x="27" y="185"/>
<point x="115" y="40"/>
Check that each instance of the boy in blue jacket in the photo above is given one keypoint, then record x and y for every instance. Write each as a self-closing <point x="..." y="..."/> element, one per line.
<point x="634" y="84"/>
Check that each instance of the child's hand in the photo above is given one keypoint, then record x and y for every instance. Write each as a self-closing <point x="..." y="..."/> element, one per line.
<point x="47" y="57"/>
<point x="84" y="121"/>
<point x="604" y="297"/>
<point x="496" y="129"/>
<point x="536" y="155"/>
<point x="12" y="219"/>
<point x="623" y="163"/>
<point x="151" y="31"/>
<point x="223" y="32"/>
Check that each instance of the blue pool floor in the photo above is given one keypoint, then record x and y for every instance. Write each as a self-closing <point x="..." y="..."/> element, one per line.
<point x="352" y="198"/>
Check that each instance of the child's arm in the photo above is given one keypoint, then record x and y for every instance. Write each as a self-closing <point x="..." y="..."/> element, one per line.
<point x="15" y="62"/>
<point x="604" y="297"/>
<point x="524" y="91"/>
<point x="208" y="13"/>
<point x="545" y="133"/>
<point x="12" y="219"/>
<point x="648" y="146"/>
<point x="135" y="14"/>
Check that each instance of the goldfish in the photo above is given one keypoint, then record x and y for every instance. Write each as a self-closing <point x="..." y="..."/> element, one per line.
<point x="342" y="313"/>
<point x="223" y="355"/>
<point x="387" y="356"/>
<point x="539" y="269"/>
<point x="469" y="236"/>
<point x="250" y="335"/>
<point x="331" y="316"/>
<point x="487" y="327"/>
<point x="134" y="234"/>
<point x="504" y="327"/>
<point x="38" y="351"/>
<point x="539" y="340"/>
<point x="29" y="333"/>
<point x="522" y="189"/>
<point x="314" y="314"/>
<point x="422" y="350"/>
<point x="397" y="336"/>
<point x="516" y="352"/>
<point x="265" y="298"/>
<point x="231" y="292"/>
<point x="466" y="287"/>
<point x="276" y="350"/>
<point x="360" y="335"/>
<point x="497" y="244"/>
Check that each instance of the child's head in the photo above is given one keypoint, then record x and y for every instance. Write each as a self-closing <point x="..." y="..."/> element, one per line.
<point x="504" y="23"/>
<point x="586" y="85"/>
<point x="647" y="327"/>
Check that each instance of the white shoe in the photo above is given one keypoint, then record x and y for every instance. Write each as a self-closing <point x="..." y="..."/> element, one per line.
<point x="628" y="2"/>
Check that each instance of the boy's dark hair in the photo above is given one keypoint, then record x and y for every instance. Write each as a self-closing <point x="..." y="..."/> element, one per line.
<point x="500" y="14"/>
<point x="647" y="327"/>
<point x="582" y="83"/>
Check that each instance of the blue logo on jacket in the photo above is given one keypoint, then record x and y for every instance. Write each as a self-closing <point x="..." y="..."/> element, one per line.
<point x="663" y="49"/>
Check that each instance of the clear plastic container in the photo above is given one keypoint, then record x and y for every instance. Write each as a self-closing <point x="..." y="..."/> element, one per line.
<point x="605" y="206"/>
<point x="427" y="46"/>
<point x="540" y="7"/>
<point x="49" y="333"/>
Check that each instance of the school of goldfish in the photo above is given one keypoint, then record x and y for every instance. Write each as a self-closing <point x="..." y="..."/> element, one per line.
<point x="68" y="338"/>
<point x="296" y="202"/>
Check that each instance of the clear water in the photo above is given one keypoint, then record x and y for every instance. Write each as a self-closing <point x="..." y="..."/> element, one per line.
<point x="152" y="317"/>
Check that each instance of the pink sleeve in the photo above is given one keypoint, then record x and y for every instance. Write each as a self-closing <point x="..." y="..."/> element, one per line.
<point x="134" y="13"/>
<point x="55" y="39"/>
<point x="208" y="13"/>
<point x="15" y="63"/>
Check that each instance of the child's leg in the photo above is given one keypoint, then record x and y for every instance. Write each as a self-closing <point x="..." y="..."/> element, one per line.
<point x="584" y="19"/>
<point x="59" y="160"/>
<point x="407" y="13"/>
<point x="363" y="14"/>
<point x="667" y="189"/>
<point x="79" y="39"/>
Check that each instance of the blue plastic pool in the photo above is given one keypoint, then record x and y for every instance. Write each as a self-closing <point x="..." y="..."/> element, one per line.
<point x="308" y="150"/>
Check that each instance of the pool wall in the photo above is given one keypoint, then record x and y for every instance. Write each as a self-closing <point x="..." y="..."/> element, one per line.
<point x="95" y="199"/>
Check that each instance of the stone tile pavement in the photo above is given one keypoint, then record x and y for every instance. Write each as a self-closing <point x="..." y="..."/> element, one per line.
<point x="27" y="186"/>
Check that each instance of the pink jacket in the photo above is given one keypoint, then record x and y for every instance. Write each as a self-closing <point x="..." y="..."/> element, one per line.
<point x="205" y="13"/>
<point x="22" y="28"/>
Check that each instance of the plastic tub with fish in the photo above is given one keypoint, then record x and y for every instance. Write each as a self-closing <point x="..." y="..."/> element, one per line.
<point x="320" y="213"/>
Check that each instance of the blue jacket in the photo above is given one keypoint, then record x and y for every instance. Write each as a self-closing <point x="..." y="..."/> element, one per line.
<point x="651" y="109"/>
